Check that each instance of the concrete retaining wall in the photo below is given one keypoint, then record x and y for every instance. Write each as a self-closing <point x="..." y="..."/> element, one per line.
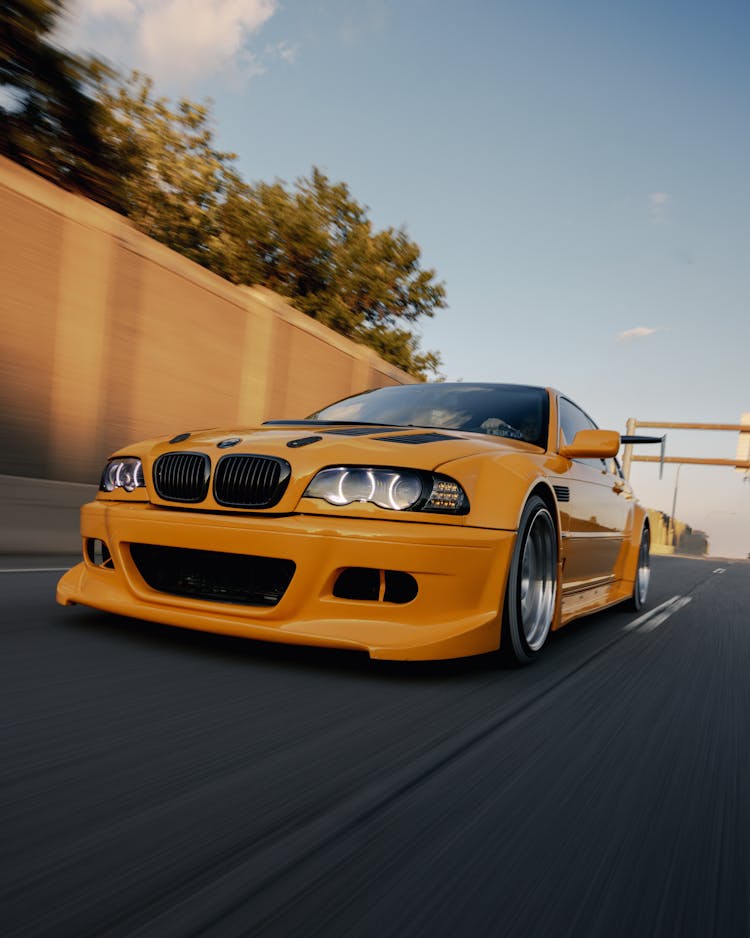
<point x="109" y="337"/>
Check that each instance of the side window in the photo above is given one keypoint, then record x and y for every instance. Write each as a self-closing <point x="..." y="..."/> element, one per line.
<point x="573" y="419"/>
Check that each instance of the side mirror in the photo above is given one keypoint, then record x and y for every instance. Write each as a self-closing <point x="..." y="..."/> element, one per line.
<point x="592" y="444"/>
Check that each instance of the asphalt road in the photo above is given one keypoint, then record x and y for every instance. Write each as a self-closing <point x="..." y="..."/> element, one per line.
<point x="158" y="782"/>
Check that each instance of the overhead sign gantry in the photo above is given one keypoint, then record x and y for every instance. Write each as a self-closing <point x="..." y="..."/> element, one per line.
<point x="741" y="461"/>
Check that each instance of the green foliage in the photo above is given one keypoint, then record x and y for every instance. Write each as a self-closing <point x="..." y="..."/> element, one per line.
<point x="315" y="245"/>
<point x="172" y="177"/>
<point x="83" y="126"/>
<point x="50" y="121"/>
<point x="312" y="242"/>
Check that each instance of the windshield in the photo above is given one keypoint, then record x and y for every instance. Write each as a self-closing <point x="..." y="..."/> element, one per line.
<point x="513" y="411"/>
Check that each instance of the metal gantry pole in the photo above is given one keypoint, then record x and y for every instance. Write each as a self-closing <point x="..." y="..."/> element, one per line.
<point x="632" y="425"/>
<point x="674" y="506"/>
<point x="627" y="453"/>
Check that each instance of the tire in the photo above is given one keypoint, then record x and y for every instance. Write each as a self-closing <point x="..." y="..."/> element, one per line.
<point x="642" y="571"/>
<point x="530" y="597"/>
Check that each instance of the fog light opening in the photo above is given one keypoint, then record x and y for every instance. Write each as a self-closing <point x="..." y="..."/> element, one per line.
<point x="399" y="587"/>
<point x="98" y="553"/>
<point x="371" y="585"/>
<point x="358" y="583"/>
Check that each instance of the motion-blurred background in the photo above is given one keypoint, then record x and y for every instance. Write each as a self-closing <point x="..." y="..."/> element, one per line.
<point x="576" y="176"/>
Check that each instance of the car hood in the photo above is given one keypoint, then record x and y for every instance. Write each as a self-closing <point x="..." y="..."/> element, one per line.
<point x="308" y="447"/>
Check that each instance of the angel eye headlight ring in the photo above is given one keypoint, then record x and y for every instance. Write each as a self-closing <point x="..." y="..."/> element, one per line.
<point x="123" y="473"/>
<point x="392" y="489"/>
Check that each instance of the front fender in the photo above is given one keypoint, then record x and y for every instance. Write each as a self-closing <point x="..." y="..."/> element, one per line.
<point x="498" y="487"/>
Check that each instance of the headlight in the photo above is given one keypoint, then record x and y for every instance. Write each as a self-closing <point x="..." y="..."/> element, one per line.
<point x="448" y="496"/>
<point x="124" y="473"/>
<point x="396" y="489"/>
<point x="387" y="488"/>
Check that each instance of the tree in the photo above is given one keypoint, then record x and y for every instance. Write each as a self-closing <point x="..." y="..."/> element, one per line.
<point x="316" y="246"/>
<point x="312" y="242"/>
<point x="83" y="126"/>
<point x="49" y="121"/>
<point x="172" y="177"/>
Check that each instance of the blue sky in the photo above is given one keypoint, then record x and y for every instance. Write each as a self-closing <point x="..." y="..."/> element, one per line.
<point x="575" y="172"/>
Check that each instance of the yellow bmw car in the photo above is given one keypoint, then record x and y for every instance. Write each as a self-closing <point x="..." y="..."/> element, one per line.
<point x="413" y="522"/>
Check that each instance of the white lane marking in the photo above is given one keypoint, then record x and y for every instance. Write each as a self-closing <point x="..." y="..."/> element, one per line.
<point x="655" y="617"/>
<point x="720" y="570"/>
<point x="663" y="616"/>
<point x="649" y="615"/>
<point x="34" y="570"/>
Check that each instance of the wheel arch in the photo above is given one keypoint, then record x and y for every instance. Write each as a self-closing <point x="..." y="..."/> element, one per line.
<point x="544" y="490"/>
<point x="641" y="574"/>
<point x="641" y="523"/>
<point x="513" y="638"/>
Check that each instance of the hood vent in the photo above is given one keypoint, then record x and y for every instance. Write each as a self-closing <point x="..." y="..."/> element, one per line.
<point x="416" y="438"/>
<point x="353" y="431"/>
<point x="303" y="441"/>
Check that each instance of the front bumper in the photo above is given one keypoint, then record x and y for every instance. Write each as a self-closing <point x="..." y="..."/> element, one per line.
<point x="461" y="574"/>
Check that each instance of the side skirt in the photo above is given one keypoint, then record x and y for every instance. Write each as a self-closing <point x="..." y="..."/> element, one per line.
<point x="583" y="601"/>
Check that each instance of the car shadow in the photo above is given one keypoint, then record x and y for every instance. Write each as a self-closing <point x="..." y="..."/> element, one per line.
<point x="563" y="649"/>
<point x="189" y="642"/>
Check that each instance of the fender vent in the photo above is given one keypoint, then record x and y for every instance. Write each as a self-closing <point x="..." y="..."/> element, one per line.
<point x="562" y="492"/>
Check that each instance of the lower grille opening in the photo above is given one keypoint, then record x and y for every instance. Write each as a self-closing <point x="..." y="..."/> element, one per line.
<point x="207" y="574"/>
<point x="368" y="584"/>
<point x="399" y="587"/>
<point x="98" y="553"/>
<point x="358" y="583"/>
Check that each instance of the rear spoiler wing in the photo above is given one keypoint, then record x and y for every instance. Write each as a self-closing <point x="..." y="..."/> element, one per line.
<point x="636" y="440"/>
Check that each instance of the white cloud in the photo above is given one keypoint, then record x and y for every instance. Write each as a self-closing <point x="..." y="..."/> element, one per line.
<point x="658" y="202"/>
<point x="287" y="52"/>
<point x="189" y="36"/>
<point x="638" y="333"/>
<point x="124" y="10"/>
<point x="175" y="41"/>
<point x="369" y="17"/>
<point x="282" y="50"/>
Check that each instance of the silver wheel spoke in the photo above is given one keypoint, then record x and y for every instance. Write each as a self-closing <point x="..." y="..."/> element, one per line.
<point x="643" y="574"/>
<point x="538" y="581"/>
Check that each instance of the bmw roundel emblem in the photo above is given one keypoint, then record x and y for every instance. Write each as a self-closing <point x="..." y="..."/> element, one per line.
<point x="232" y="441"/>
